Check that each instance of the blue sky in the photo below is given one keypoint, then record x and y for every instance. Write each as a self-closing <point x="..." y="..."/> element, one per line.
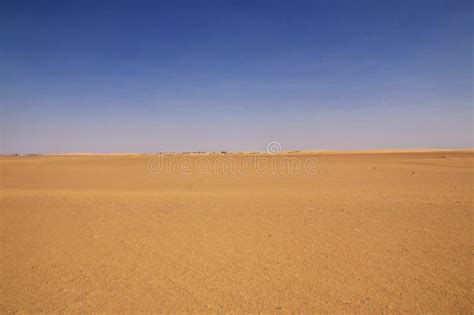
<point x="150" y="76"/>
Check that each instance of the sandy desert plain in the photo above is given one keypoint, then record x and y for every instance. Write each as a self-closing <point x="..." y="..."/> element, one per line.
<point x="363" y="232"/>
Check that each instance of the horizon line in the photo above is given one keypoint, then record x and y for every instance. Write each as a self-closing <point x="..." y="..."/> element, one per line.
<point x="302" y="151"/>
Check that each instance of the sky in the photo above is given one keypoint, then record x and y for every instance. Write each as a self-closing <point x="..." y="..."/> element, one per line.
<point x="156" y="76"/>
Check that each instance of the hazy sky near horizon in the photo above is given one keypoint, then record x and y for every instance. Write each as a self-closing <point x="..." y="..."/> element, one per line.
<point x="150" y="76"/>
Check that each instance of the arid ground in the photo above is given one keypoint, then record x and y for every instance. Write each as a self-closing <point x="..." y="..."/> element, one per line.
<point x="380" y="232"/>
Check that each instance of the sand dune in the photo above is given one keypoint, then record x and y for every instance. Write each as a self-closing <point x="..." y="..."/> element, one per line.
<point x="362" y="233"/>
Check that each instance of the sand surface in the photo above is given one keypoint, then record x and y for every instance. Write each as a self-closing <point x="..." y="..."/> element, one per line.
<point x="387" y="232"/>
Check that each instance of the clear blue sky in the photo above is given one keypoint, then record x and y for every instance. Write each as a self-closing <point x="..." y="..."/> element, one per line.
<point x="149" y="76"/>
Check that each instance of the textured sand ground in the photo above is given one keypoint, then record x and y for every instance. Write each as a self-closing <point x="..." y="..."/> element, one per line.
<point x="364" y="233"/>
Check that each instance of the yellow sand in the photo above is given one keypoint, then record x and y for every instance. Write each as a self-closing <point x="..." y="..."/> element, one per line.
<point x="388" y="232"/>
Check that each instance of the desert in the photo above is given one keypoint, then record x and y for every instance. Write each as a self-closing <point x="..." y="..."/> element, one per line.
<point x="364" y="232"/>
